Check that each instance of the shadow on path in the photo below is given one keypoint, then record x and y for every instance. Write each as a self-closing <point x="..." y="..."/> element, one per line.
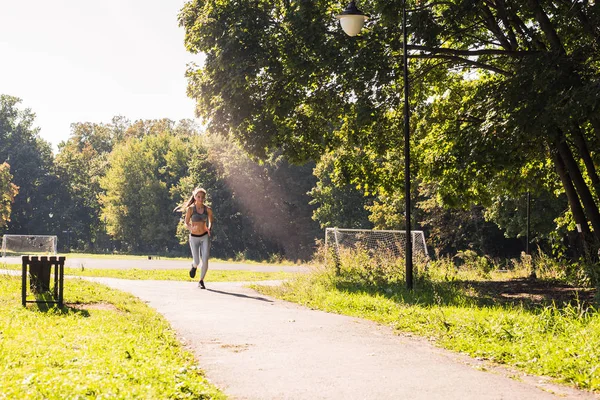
<point x="240" y="295"/>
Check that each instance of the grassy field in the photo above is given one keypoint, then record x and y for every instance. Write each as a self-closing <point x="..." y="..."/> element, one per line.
<point x="275" y="261"/>
<point x="103" y="344"/>
<point x="546" y="326"/>
<point x="169" y="274"/>
<point x="537" y="335"/>
<point x="180" y="275"/>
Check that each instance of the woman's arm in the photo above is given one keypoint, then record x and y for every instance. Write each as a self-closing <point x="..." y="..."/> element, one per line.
<point x="210" y="219"/>
<point x="188" y="214"/>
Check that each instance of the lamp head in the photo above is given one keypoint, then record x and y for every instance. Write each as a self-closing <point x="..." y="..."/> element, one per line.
<point x="352" y="19"/>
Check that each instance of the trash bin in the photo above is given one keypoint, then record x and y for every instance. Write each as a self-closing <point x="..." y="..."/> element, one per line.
<point x="39" y="279"/>
<point x="39" y="273"/>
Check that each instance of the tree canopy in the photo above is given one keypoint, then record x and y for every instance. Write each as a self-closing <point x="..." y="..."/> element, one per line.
<point x="31" y="165"/>
<point x="503" y="93"/>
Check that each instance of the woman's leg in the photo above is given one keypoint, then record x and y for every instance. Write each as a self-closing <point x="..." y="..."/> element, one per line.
<point x="195" y="247"/>
<point x="204" y="253"/>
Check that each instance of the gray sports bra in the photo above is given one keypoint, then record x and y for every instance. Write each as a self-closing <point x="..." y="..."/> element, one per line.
<point x="199" y="217"/>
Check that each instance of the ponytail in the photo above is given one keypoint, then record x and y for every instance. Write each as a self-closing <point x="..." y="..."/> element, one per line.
<point x="184" y="206"/>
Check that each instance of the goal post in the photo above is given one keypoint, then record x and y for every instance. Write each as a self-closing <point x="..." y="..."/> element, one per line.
<point x="14" y="245"/>
<point x="389" y="242"/>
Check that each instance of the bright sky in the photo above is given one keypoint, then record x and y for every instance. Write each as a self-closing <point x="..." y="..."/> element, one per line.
<point x="87" y="61"/>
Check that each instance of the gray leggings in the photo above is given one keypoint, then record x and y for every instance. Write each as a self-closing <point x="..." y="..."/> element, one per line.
<point x="200" y="249"/>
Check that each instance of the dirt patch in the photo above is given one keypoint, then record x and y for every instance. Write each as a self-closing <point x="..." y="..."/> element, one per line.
<point x="532" y="292"/>
<point x="236" y="348"/>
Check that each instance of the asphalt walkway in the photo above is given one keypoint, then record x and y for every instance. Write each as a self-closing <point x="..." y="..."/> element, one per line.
<point x="256" y="347"/>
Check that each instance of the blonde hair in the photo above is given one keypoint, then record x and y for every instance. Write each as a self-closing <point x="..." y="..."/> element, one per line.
<point x="183" y="207"/>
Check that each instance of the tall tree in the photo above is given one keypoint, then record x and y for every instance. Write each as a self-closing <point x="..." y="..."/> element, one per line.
<point x="80" y="163"/>
<point x="31" y="161"/>
<point x="518" y="80"/>
<point x="8" y="191"/>
<point x="139" y="189"/>
<point x="338" y="203"/>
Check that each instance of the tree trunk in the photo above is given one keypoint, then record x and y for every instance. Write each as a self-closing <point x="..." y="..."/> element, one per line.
<point x="572" y="198"/>
<point x="591" y="210"/>
<point x="546" y="26"/>
<point x="584" y="152"/>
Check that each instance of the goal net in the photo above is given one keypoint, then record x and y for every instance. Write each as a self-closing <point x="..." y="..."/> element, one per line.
<point x="14" y="245"/>
<point x="382" y="243"/>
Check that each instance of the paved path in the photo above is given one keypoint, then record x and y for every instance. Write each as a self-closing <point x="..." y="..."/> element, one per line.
<point x="256" y="347"/>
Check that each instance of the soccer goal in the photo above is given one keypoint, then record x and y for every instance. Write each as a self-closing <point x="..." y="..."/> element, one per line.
<point x="390" y="243"/>
<point x="14" y="245"/>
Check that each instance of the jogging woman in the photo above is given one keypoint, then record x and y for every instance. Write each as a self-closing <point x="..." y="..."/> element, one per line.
<point x="199" y="221"/>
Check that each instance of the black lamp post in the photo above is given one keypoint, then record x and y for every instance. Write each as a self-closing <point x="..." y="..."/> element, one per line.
<point x="528" y="222"/>
<point x="352" y="21"/>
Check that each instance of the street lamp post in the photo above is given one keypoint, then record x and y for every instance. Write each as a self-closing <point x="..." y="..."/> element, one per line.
<point x="528" y="221"/>
<point x="352" y="21"/>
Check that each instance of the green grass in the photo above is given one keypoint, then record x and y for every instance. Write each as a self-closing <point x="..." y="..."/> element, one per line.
<point x="179" y="275"/>
<point x="275" y="261"/>
<point x="104" y="344"/>
<point x="170" y="274"/>
<point x="559" y="341"/>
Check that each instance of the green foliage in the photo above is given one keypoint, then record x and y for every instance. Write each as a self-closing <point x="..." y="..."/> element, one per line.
<point x="284" y="70"/>
<point x="8" y="191"/>
<point x="31" y="163"/>
<point x="490" y="101"/>
<point x="338" y="203"/>
<point x="387" y="212"/>
<point x="103" y="344"/>
<point x="259" y="208"/>
<point x="450" y="230"/>
<point x="370" y="268"/>
<point x="80" y="163"/>
<point x="546" y="210"/>
<point x="469" y="259"/>
<point x="139" y="186"/>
